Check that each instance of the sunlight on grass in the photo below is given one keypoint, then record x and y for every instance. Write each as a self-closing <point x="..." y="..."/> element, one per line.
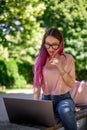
<point x="27" y="89"/>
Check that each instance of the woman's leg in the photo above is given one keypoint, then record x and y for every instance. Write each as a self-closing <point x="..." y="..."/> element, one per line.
<point x="65" y="110"/>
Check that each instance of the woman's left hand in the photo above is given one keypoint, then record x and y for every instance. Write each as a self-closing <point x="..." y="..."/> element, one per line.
<point x="58" y="63"/>
<point x="54" y="61"/>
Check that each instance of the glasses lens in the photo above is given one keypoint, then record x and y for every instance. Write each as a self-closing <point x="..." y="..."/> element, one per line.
<point x="47" y="45"/>
<point x="55" y="46"/>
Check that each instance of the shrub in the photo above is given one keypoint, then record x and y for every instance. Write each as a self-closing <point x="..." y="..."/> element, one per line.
<point x="10" y="76"/>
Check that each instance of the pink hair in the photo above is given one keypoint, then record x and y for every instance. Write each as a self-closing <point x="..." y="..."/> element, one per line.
<point x="43" y="55"/>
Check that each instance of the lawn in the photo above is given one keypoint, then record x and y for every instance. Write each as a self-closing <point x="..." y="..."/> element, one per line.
<point x="27" y="89"/>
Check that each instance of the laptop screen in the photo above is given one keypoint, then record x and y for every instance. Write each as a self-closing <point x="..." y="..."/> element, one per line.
<point x="30" y="111"/>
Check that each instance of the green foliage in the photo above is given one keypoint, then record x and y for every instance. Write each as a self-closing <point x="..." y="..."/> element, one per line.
<point x="5" y="79"/>
<point x="10" y="76"/>
<point x="21" y="33"/>
<point x="26" y="70"/>
<point x="20" y="40"/>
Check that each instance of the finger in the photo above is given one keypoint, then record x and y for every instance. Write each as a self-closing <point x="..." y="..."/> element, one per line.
<point x="54" y="53"/>
<point x="54" y="61"/>
<point x="51" y="60"/>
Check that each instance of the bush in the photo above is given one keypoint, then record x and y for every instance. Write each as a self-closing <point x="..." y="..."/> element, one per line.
<point x="81" y="75"/>
<point x="5" y="79"/>
<point x="25" y="69"/>
<point x="10" y="76"/>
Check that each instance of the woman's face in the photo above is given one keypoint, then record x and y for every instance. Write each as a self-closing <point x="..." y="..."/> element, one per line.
<point x="52" y="45"/>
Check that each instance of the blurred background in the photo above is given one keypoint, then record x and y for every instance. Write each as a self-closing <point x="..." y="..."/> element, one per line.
<point x="22" y="25"/>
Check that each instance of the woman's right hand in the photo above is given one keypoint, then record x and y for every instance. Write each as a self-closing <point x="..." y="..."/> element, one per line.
<point x="36" y="92"/>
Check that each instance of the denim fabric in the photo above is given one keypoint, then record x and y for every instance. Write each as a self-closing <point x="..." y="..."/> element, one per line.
<point x="64" y="106"/>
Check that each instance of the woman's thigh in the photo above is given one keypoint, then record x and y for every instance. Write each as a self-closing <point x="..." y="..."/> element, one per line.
<point x="66" y="103"/>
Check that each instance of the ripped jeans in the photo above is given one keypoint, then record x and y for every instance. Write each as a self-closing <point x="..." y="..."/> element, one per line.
<point x="64" y="106"/>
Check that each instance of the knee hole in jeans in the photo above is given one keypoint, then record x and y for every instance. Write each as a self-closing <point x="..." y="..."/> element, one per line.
<point x="63" y="109"/>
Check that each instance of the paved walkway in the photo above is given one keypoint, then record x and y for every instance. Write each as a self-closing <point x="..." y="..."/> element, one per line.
<point x="4" y="121"/>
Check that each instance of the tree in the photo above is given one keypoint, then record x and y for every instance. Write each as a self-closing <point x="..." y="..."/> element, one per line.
<point x="20" y="36"/>
<point x="19" y="29"/>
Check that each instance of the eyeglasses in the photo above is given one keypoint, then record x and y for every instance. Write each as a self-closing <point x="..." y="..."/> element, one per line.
<point x="54" y="46"/>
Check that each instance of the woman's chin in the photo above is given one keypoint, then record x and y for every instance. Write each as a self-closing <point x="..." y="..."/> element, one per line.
<point x="50" y="55"/>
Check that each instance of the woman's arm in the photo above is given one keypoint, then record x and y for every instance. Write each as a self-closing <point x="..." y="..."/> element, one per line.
<point x="68" y="77"/>
<point x="36" y="92"/>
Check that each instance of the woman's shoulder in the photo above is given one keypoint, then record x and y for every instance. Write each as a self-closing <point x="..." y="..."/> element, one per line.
<point x="68" y="56"/>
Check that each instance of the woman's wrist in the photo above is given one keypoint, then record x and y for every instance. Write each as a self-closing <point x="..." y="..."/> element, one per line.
<point x="63" y="73"/>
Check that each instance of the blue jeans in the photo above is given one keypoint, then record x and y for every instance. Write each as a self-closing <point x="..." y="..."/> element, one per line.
<point x="64" y="106"/>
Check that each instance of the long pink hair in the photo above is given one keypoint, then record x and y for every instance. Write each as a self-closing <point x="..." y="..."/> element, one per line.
<point x="43" y="55"/>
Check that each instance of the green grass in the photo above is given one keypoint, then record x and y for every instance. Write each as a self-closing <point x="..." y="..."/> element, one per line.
<point x="14" y="90"/>
<point x="6" y="90"/>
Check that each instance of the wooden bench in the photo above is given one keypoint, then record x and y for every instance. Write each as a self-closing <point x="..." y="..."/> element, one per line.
<point x="79" y="115"/>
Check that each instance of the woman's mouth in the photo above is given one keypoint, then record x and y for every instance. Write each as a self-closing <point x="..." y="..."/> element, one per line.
<point x="51" y="52"/>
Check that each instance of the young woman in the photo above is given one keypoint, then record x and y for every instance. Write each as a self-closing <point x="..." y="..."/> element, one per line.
<point x="54" y="73"/>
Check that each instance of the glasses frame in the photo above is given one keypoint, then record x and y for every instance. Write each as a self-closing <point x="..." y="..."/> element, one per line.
<point x="51" y="45"/>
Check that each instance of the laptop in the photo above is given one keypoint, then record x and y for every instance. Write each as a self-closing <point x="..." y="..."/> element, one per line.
<point x="29" y="111"/>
